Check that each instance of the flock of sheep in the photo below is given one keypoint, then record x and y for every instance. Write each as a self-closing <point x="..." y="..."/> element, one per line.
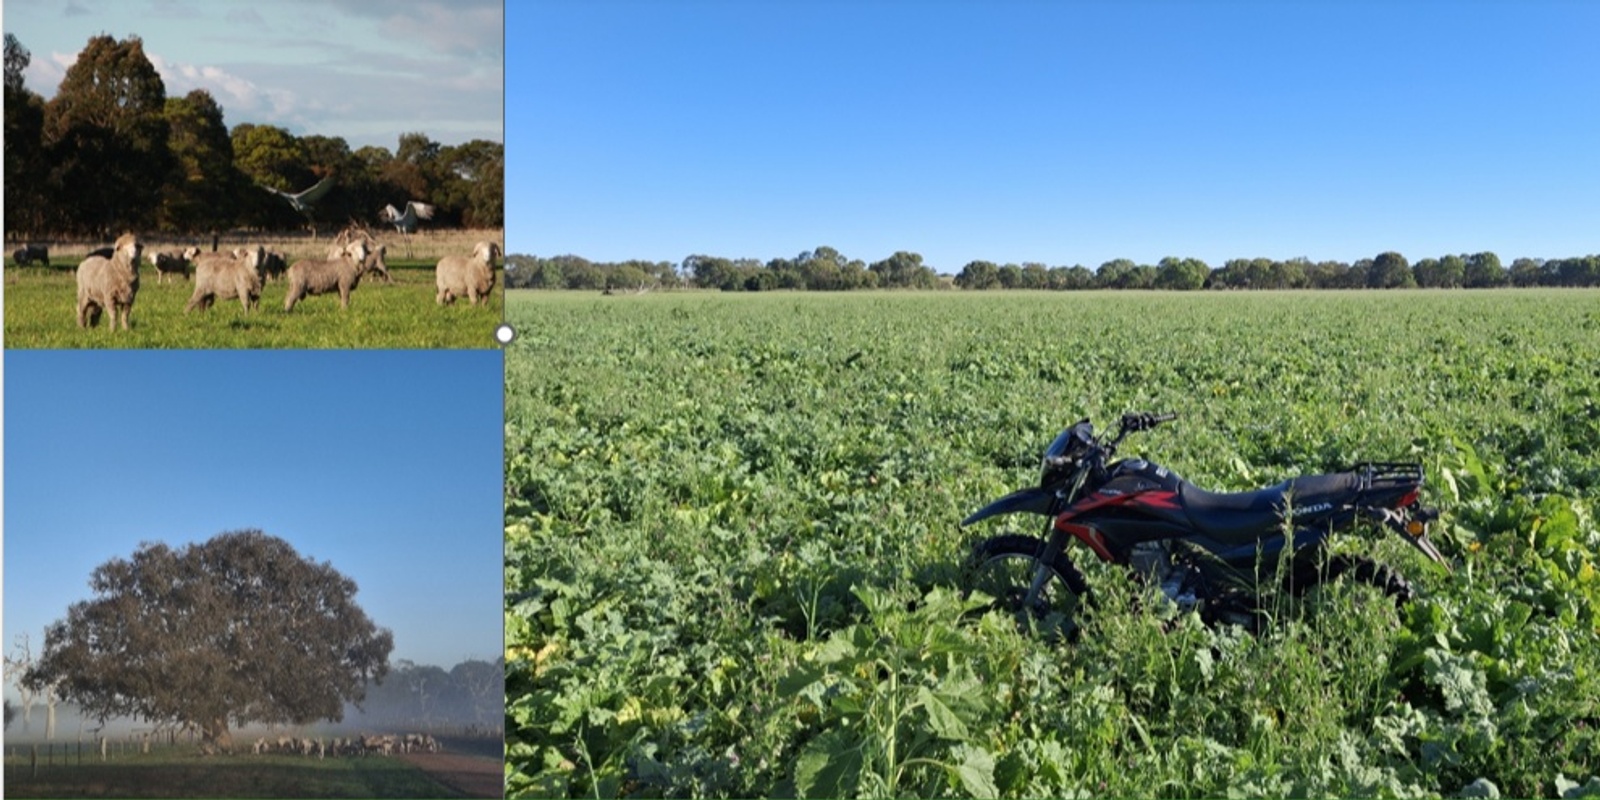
<point x="108" y="280"/>
<point x="365" y="745"/>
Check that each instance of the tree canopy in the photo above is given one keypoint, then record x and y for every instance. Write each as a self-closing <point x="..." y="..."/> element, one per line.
<point x="238" y="629"/>
<point x="111" y="151"/>
<point x="826" y="269"/>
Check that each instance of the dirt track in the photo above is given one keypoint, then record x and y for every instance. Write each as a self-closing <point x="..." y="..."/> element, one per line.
<point x="473" y="776"/>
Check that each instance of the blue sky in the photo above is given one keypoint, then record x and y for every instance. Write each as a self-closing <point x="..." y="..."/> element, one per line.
<point x="366" y="71"/>
<point x="1063" y="133"/>
<point x="387" y="464"/>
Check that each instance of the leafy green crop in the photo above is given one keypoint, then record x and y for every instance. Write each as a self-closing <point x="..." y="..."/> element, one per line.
<point x="733" y="565"/>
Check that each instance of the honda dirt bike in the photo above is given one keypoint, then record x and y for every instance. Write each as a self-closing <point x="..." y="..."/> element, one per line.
<point x="1204" y="550"/>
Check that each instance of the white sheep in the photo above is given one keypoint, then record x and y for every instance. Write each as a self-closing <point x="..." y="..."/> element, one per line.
<point x="320" y="276"/>
<point x="375" y="254"/>
<point x="109" y="282"/>
<point x="172" y="262"/>
<point x="378" y="265"/>
<point x="227" y="275"/>
<point x="271" y="265"/>
<point x="471" y="277"/>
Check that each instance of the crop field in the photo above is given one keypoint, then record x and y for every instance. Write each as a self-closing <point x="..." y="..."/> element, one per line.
<point x="733" y="563"/>
<point x="41" y="310"/>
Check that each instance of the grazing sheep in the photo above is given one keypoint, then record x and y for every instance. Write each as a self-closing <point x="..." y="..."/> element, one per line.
<point x="378" y="265"/>
<point x="311" y="276"/>
<point x="226" y="275"/>
<point x="29" y="253"/>
<point x="272" y="263"/>
<point x="172" y="262"/>
<point x="377" y="744"/>
<point x="109" y="282"/>
<point x="461" y="276"/>
<point x="419" y="743"/>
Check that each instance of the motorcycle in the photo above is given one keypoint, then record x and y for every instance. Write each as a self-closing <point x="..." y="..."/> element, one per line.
<point x="1204" y="550"/>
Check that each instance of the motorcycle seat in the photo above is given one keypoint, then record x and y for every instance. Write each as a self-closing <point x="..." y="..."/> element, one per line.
<point x="1243" y="517"/>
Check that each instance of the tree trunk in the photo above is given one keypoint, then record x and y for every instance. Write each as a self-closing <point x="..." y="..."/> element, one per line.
<point x="215" y="733"/>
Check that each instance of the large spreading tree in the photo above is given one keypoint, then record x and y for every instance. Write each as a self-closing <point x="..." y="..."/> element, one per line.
<point x="236" y="630"/>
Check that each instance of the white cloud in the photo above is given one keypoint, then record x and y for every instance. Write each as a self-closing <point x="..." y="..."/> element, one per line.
<point x="44" y="75"/>
<point x="233" y="93"/>
<point x="448" y="29"/>
<point x="355" y="69"/>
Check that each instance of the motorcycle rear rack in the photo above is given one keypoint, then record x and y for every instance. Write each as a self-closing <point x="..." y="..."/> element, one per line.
<point x="1388" y="474"/>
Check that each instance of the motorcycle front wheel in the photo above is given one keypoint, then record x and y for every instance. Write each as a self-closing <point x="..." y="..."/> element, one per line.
<point x="1003" y="567"/>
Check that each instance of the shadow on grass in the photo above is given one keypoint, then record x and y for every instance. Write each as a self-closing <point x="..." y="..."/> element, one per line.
<point x="182" y="774"/>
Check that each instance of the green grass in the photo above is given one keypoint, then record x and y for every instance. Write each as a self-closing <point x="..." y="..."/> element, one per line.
<point x="733" y="562"/>
<point x="180" y="772"/>
<point x="41" y="312"/>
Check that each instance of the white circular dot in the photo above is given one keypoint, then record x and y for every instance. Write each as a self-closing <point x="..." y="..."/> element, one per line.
<point x="505" y="333"/>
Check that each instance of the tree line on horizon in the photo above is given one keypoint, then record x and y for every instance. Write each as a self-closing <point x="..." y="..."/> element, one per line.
<point x="469" y="693"/>
<point x="112" y="152"/>
<point x="826" y="269"/>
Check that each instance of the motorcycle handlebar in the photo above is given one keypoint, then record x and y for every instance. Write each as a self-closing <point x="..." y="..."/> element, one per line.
<point x="1145" y="420"/>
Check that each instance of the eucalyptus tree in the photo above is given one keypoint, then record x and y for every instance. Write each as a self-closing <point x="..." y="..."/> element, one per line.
<point x="17" y="663"/>
<point x="903" y="270"/>
<point x="1526" y="272"/>
<point x="270" y="156"/>
<point x="235" y="630"/>
<point x="1114" y="274"/>
<point x="1183" y="274"/>
<point x="106" y="137"/>
<point x="17" y="60"/>
<point x="1390" y="270"/>
<point x="1483" y="270"/>
<point x="978" y="275"/>
<point x="205" y="191"/>
<point x="26" y="167"/>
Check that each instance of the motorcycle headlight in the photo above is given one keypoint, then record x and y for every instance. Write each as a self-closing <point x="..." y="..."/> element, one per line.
<point x="1056" y="451"/>
<point x="1063" y="454"/>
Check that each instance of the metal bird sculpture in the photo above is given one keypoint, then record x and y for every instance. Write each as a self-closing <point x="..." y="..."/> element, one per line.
<point x="303" y="201"/>
<point x="406" y="222"/>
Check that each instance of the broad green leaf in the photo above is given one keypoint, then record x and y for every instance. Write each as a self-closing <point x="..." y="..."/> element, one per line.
<point x="945" y="723"/>
<point x="976" y="771"/>
<point x="829" y="766"/>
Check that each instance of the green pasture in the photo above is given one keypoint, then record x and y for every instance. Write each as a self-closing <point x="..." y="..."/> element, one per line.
<point x="41" y="312"/>
<point x="181" y="772"/>
<point x="733" y="559"/>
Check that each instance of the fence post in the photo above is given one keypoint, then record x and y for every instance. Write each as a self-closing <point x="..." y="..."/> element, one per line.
<point x="102" y="749"/>
<point x="33" y="761"/>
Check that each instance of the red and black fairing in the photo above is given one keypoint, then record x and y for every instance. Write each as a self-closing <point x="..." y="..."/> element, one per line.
<point x="1142" y="502"/>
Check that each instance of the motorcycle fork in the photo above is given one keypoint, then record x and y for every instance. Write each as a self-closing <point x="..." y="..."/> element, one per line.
<point x="1055" y="541"/>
